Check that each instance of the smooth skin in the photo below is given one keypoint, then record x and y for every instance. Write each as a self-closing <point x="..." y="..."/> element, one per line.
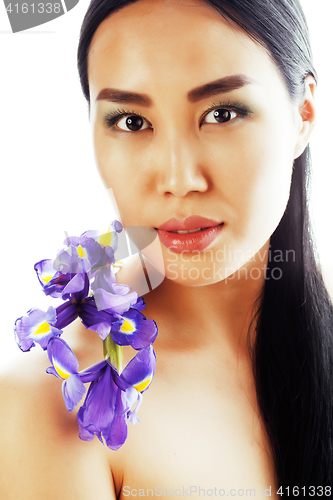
<point x="200" y="420"/>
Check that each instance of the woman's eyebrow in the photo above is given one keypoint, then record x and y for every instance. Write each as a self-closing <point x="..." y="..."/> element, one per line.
<point x="220" y="86"/>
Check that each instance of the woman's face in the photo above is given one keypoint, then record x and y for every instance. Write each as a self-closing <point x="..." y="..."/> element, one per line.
<point x="173" y="139"/>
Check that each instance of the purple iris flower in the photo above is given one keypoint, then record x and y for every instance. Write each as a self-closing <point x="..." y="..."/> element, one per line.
<point x="76" y="291"/>
<point x="140" y="370"/>
<point x="110" y="397"/>
<point x="36" y="328"/>
<point x="117" y="302"/>
<point x="140" y="304"/>
<point x="66" y="314"/>
<point x="77" y="287"/>
<point x="139" y="374"/>
<point x="80" y="256"/>
<point x="53" y="282"/>
<point x="134" y="329"/>
<point x="96" y="320"/>
<point x="65" y="366"/>
<point x="113" y="307"/>
<point x="114" y="396"/>
<point x="105" y="278"/>
<point x="110" y="295"/>
<point x="103" y="413"/>
<point x="109" y="242"/>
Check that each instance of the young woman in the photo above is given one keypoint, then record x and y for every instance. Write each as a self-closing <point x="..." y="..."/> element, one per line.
<point x="201" y="115"/>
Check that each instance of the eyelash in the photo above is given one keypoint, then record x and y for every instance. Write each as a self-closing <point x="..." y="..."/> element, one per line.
<point x="114" y="116"/>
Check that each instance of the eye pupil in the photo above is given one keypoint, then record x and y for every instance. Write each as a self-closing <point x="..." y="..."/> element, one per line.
<point x="134" y="123"/>
<point x="221" y="115"/>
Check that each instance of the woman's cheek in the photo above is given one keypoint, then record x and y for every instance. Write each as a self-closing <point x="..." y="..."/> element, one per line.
<point x="111" y="161"/>
<point x="252" y="173"/>
<point x="267" y="182"/>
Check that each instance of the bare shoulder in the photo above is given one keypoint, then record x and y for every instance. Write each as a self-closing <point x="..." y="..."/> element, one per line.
<point x="41" y="455"/>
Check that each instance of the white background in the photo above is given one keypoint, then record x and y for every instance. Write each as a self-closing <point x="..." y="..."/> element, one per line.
<point x="49" y="182"/>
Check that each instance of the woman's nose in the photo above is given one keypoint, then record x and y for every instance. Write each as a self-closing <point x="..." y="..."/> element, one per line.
<point x="178" y="168"/>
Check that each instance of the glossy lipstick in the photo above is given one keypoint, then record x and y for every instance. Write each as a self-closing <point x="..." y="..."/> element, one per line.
<point x="189" y="241"/>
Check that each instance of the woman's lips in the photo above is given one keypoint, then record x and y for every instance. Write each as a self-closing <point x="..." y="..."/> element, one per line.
<point x="189" y="242"/>
<point x="193" y="222"/>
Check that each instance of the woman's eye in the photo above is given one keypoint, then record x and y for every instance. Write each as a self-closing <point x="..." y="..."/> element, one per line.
<point x="220" y="115"/>
<point x="132" y="123"/>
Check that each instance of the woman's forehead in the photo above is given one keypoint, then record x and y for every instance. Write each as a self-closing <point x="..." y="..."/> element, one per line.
<point x="171" y="42"/>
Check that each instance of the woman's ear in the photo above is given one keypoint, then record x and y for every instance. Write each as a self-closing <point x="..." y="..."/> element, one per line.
<point x="306" y="116"/>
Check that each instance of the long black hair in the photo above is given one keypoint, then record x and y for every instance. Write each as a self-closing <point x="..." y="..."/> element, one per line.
<point x="292" y="355"/>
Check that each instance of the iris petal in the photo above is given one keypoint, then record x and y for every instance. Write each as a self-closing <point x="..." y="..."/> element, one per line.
<point x="132" y="417"/>
<point x="113" y="302"/>
<point x="51" y="315"/>
<point x="103" y="329"/>
<point x="117" y="226"/>
<point x="104" y="413"/>
<point x="37" y="327"/>
<point x="76" y="284"/>
<point x="117" y="432"/>
<point x="45" y="271"/>
<point x="92" y="372"/>
<point x="73" y="391"/>
<point x="136" y="330"/>
<point x="98" y="408"/>
<point x="66" y="313"/>
<point x="52" y="371"/>
<point x="139" y="304"/>
<point x="65" y="366"/>
<point x="62" y="357"/>
<point x="84" y="253"/>
<point x="104" y="278"/>
<point x="93" y="319"/>
<point x="140" y="370"/>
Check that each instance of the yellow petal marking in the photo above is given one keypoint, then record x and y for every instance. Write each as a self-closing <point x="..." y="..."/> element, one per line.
<point x="106" y="238"/>
<point x="43" y="328"/>
<point x="141" y="386"/>
<point x="81" y="251"/>
<point x="127" y="327"/>
<point x="46" y="279"/>
<point x="60" y="371"/>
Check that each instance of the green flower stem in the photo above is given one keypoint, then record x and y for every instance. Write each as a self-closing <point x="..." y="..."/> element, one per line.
<point x="114" y="353"/>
